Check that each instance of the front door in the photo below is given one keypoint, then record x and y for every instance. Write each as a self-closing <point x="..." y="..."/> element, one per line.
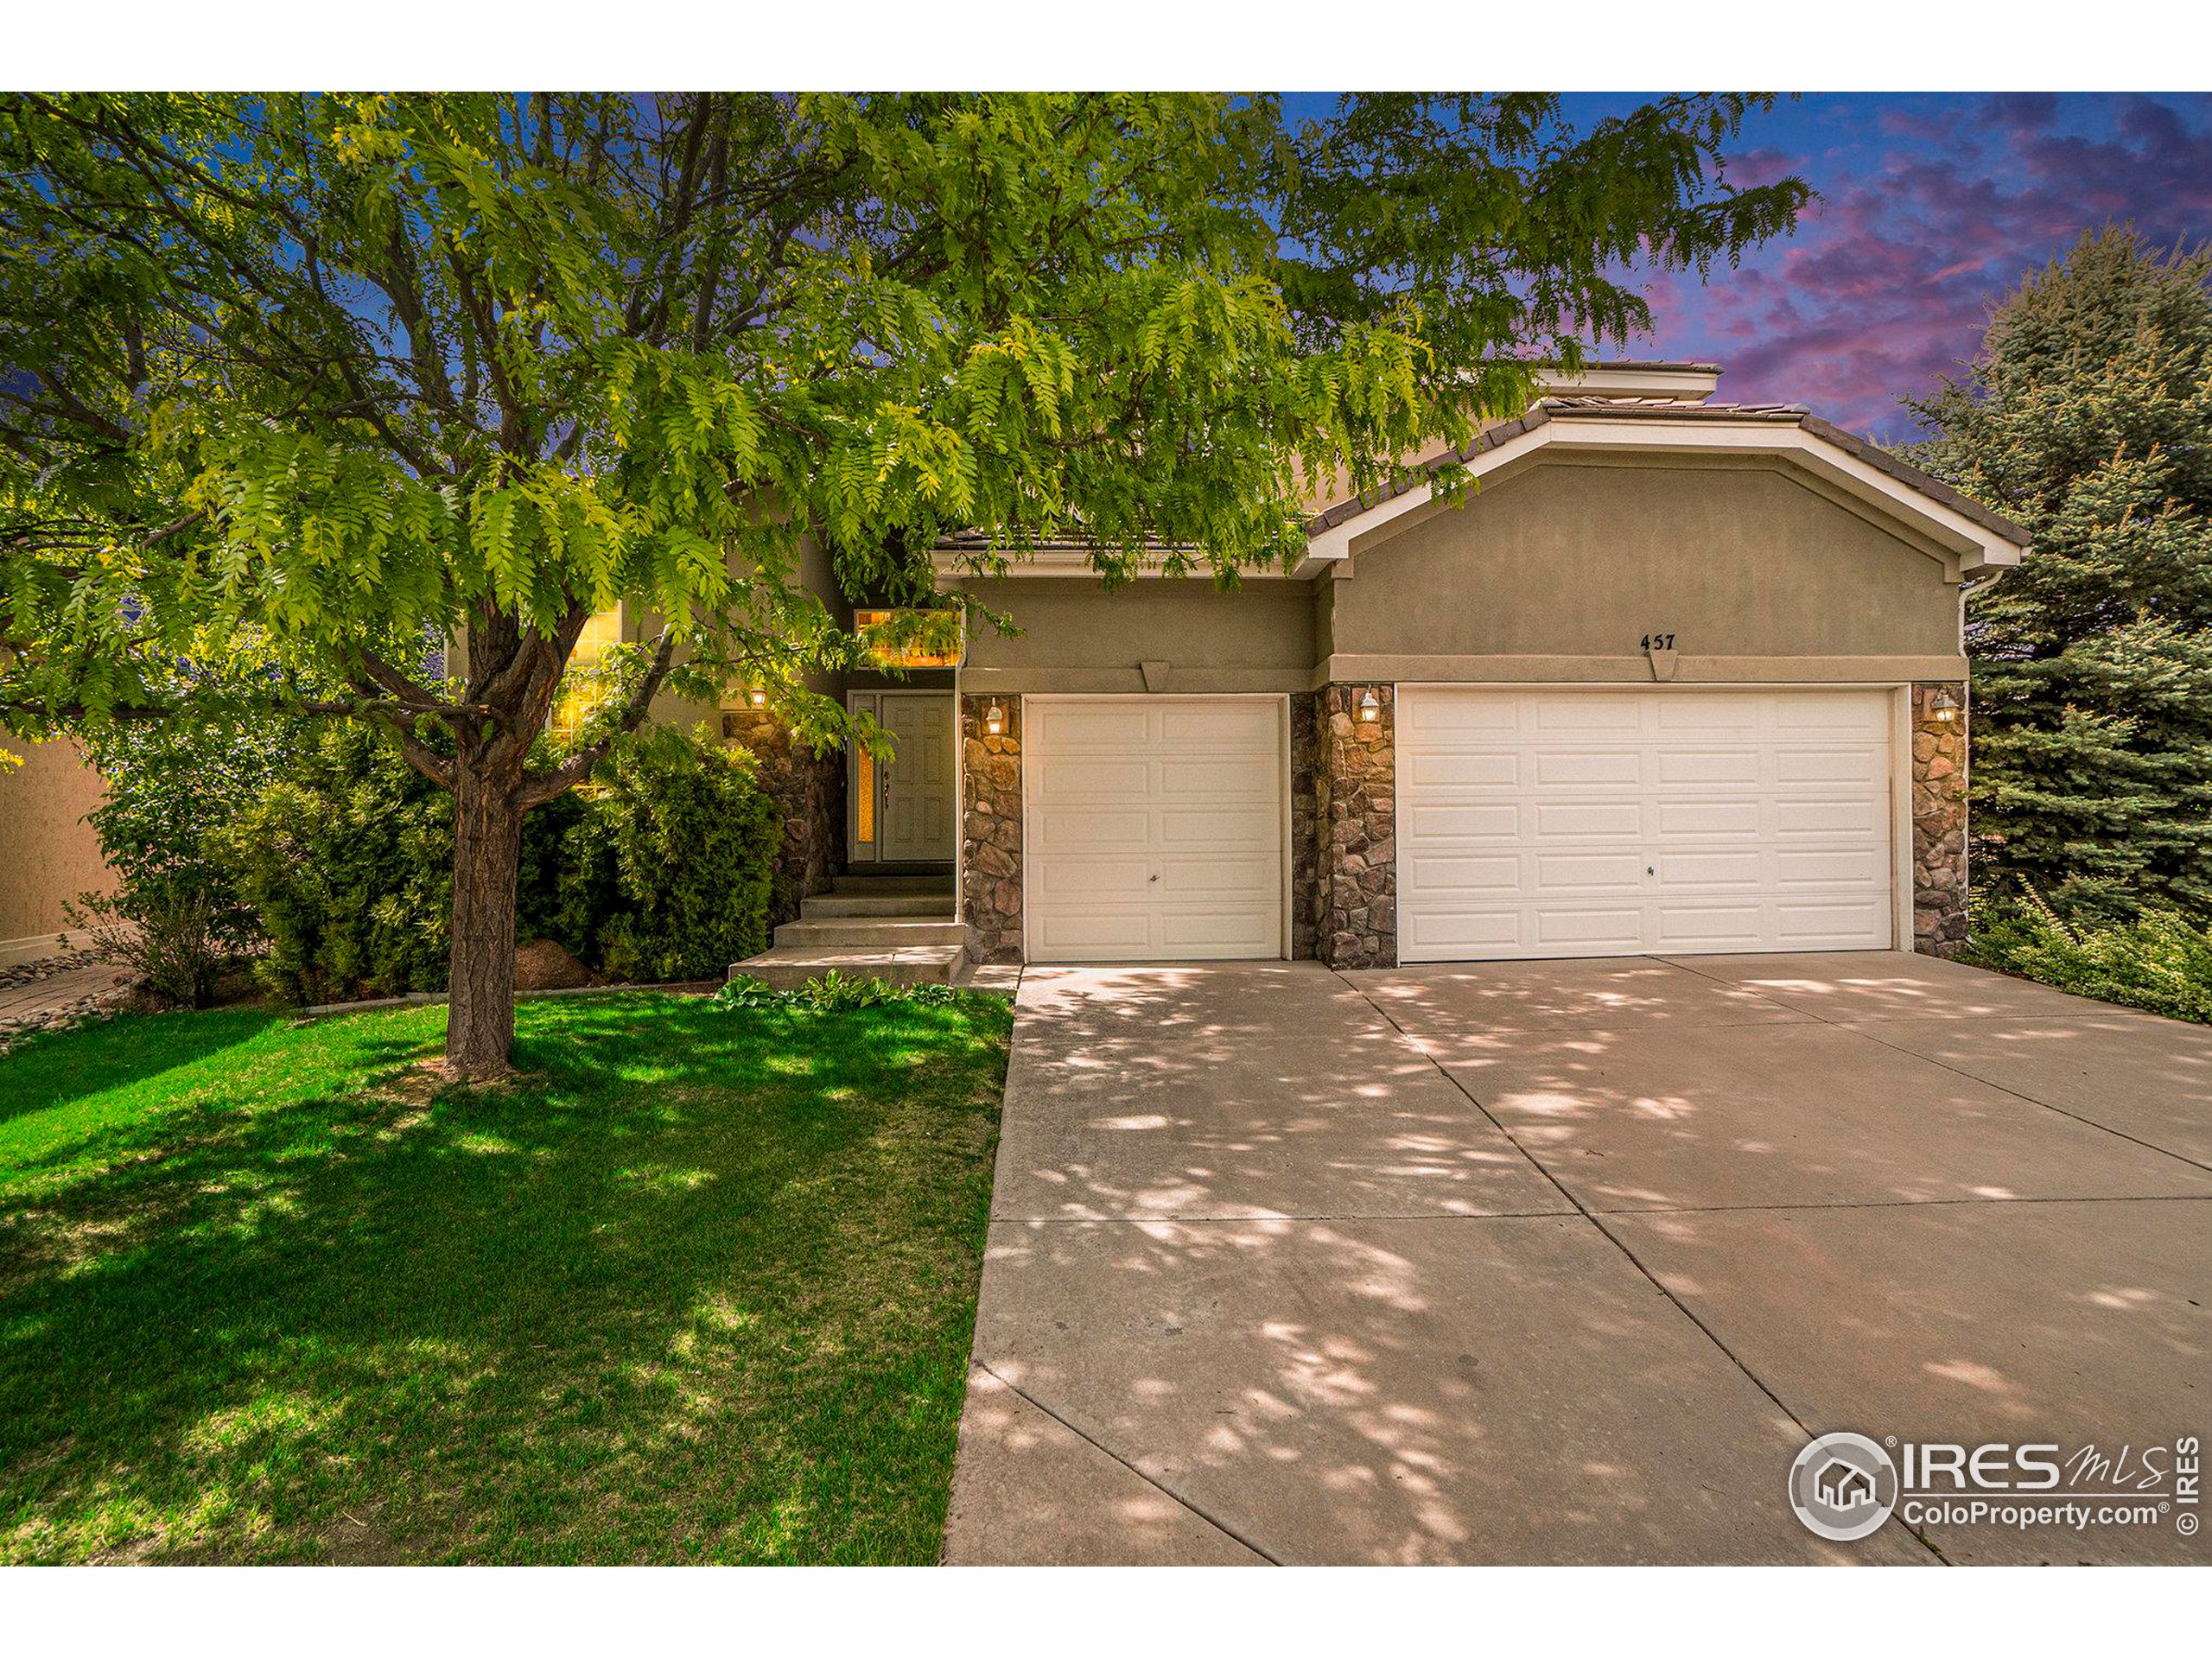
<point x="910" y="817"/>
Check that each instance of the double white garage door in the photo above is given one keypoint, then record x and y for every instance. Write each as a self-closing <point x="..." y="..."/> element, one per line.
<point x="1555" y="822"/>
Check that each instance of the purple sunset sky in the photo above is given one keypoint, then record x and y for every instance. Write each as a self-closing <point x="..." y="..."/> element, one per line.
<point x="1932" y="206"/>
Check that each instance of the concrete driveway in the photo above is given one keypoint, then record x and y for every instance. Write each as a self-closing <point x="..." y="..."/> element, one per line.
<point x="1564" y="1262"/>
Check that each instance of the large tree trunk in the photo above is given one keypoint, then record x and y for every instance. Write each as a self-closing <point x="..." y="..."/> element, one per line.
<point x="486" y="856"/>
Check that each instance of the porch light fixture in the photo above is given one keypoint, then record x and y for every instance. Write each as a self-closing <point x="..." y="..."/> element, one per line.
<point x="1370" y="710"/>
<point x="1943" y="706"/>
<point x="993" y="719"/>
<point x="757" y="697"/>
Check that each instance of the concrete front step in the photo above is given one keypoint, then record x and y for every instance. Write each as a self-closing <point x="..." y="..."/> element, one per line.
<point x="825" y="907"/>
<point x="872" y="933"/>
<point x="785" y="969"/>
<point x="883" y="884"/>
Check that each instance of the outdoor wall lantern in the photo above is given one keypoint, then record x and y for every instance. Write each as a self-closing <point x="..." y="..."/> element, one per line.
<point x="757" y="697"/>
<point x="1943" y="706"/>
<point x="995" y="718"/>
<point x="1370" y="710"/>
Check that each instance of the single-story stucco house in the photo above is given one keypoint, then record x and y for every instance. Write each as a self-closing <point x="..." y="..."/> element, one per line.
<point x="1682" y="675"/>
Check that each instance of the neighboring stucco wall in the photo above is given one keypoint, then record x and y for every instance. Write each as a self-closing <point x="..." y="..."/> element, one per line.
<point x="47" y="852"/>
<point x="1563" y="568"/>
<point x="1076" y="637"/>
<point x="1939" y="823"/>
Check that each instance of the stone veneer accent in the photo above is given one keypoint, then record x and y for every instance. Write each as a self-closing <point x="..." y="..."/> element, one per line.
<point x="1352" y="784"/>
<point x="1308" y="812"/>
<point x="809" y="789"/>
<point x="1939" y="823"/>
<point x="990" y="831"/>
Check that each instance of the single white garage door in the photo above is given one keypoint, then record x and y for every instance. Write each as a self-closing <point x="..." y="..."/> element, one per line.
<point x="1669" y="820"/>
<point x="1155" y="828"/>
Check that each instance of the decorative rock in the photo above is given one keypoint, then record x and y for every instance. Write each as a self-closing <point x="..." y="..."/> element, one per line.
<point x="543" y="965"/>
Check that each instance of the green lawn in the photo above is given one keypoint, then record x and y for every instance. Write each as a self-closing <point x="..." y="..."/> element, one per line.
<point x="697" y="1286"/>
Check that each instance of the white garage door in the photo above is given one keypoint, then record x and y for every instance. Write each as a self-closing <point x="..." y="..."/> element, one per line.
<point x="1155" y="828"/>
<point x="1586" y="823"/>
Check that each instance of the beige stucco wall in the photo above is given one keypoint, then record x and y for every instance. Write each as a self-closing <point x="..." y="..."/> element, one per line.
<point x="1559" y="571"/>
<point x="1076" y="637"/>
<point x="47" y="852"/>
<point x="815" y="572"/>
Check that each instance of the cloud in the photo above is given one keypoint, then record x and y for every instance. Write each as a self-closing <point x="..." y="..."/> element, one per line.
<point x="1922" y="225"/>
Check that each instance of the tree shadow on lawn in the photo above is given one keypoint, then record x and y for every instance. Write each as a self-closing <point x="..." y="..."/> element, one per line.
<point x="698" y="1284"/>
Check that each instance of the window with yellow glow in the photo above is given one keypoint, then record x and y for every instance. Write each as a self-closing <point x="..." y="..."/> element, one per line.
<point x="575" y="704"/>
<point x="942" y="648"/>
<point x="863" y="796"/>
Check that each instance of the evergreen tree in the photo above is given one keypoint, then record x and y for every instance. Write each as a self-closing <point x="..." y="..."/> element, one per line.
<point x="2089" y="419"/>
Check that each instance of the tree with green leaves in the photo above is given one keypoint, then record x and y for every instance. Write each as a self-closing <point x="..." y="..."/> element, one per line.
<point x="286" y="382"/>
<point x="2088" y="417"/>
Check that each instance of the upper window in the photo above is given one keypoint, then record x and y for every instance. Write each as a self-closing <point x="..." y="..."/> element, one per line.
<point x="584" y="691"/>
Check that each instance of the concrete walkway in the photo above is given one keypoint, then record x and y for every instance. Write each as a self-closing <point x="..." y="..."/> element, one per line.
<point x="1564" y="1262"/>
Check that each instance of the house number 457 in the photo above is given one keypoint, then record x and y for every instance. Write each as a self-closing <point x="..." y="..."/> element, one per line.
<point x="1658" y="642"/>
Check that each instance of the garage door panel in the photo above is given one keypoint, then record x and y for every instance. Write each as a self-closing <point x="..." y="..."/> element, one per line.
<point x="1245" y="878"/>
<point x="1718" y="927"/>
<point x="1087" y="830"/>
<point x="1092" y="778"/>
<point x="1155" y="829"/>
<point x="1568" y="873"/>
<point x="1702" y="767"/>
<point x="1729" y="869"/>
<point x="1557" y="767"/>
<point x="1220" y="777"/>
<point x="1217" y="932"/>
<point x="1610" y="820"/>
<point x="1079" y="933"/>
<point x="1089" y="879"/>
<point x="1795" y="765"/>
<point x="1475" y="770"/>
<point x="1600" y="932"/>
<point x="1237" y="729"/>
<point x="1586" y="714"/>
<point x="1069" y="729"/>
<point x="1467" y="825"/>
<point x="1439" y="938"/>
<point x="1845" y="867"/>
<point x="1829" y="925"/>
<point x="1693" y="819"/>
<point x="1706" y="820"/>
<point x="1448" y="874"/>
<point x="1828" y="815"/>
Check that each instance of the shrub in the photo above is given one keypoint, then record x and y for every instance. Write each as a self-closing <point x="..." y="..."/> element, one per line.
<point x="669" y="870"/>
<point x="348" y="859"/>
<point x="164" y="931"/>
<point x="173" y="786"/>
<point x="2159" y="961"/>
<point x="658" y="869"/>
<point x="836" y="992"/>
